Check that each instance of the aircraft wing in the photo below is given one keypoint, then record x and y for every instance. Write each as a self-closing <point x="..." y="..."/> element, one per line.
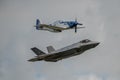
<point x="60" y="55"/>
<point x="53" y="27"/>
<point x="80" y="27"/>
<point x="72" y="28"/>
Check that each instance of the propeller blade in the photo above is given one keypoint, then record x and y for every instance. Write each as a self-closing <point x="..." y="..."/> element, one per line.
<point x="76" y="20"/>
<point x="75" y="29"/>
<point x="79" y="24"/>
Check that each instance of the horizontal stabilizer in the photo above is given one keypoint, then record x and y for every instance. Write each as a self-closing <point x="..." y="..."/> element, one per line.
<point x="50" y="49"/>
<point x="34" y="59"/>
<point x="37" y="51"/>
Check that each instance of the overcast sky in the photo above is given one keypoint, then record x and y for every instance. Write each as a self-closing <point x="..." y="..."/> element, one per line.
<point x="17" y="35"/>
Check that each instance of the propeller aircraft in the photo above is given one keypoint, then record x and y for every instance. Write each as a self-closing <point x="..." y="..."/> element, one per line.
<point x="58" y="26"/>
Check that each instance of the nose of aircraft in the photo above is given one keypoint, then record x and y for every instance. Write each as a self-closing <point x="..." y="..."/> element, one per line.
<point x="97" y="43"/>
<point x="92" y="45"/>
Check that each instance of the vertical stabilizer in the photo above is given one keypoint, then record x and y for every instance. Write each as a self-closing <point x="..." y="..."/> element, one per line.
<point x="37" y="24"/>
<point x="37" y="51"/>
<point x="50" y="49"/>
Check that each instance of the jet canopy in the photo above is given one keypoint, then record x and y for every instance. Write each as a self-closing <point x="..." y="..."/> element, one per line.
<point x="85" y="41"/>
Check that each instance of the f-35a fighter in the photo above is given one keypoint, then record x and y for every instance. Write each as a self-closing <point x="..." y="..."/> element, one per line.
<point x="66" y="52"/>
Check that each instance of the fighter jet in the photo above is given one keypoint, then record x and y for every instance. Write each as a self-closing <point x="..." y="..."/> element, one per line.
<point x="58" y="26"/>
<point x="66" y="52"/>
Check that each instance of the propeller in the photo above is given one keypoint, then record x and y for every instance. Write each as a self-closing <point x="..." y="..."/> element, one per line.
<point x="75" y="28"/>
<point x="76" y="20"/>
<point x="76" y="24"/>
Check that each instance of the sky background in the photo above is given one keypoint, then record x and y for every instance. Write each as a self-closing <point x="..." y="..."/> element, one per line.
<point x="17" y="35"/>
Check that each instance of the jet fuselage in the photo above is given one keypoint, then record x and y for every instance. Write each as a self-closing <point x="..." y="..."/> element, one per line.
<point x="69" y="51"/>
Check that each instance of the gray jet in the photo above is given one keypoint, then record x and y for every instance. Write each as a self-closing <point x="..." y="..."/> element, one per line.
<point x="66" y="52"/>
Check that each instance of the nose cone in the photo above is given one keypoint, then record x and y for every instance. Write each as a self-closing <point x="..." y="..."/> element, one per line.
<point x="88" y="44"/>
<point x="92" y="45"/>
<point x="96" y="44"/>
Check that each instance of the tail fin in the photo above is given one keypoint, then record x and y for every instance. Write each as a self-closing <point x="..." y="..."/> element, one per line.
<point x="37" y="51"/>
<point x="37" y="24"/>
<point x="50" y="49"/>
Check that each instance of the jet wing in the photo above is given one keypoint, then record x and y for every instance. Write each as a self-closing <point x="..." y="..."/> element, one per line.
<point x="60" y="55"/>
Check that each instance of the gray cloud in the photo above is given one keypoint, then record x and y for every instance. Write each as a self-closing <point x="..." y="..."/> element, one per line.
<point x="101" y="19"/>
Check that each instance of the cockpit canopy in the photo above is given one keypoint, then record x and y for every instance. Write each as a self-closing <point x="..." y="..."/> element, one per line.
<point x="85" y="41"/>
<point x="60" y="23"/>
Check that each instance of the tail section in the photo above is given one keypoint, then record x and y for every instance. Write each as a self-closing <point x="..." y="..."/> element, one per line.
<point x="37" y="51"/>
<point x="37" y="24"/>
<point x="50" y="49"/>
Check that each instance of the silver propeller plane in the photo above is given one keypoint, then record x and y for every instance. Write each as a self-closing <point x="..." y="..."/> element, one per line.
<point x="66" y="52"/>
<point x="58" y="26"/>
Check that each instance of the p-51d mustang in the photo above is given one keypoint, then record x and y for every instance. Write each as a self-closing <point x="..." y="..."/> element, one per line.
<point x="66" y="52"/>
<point x="58" y="26"/>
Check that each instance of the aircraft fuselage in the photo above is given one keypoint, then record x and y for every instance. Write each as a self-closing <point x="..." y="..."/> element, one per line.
<point x="69" y="51"/>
